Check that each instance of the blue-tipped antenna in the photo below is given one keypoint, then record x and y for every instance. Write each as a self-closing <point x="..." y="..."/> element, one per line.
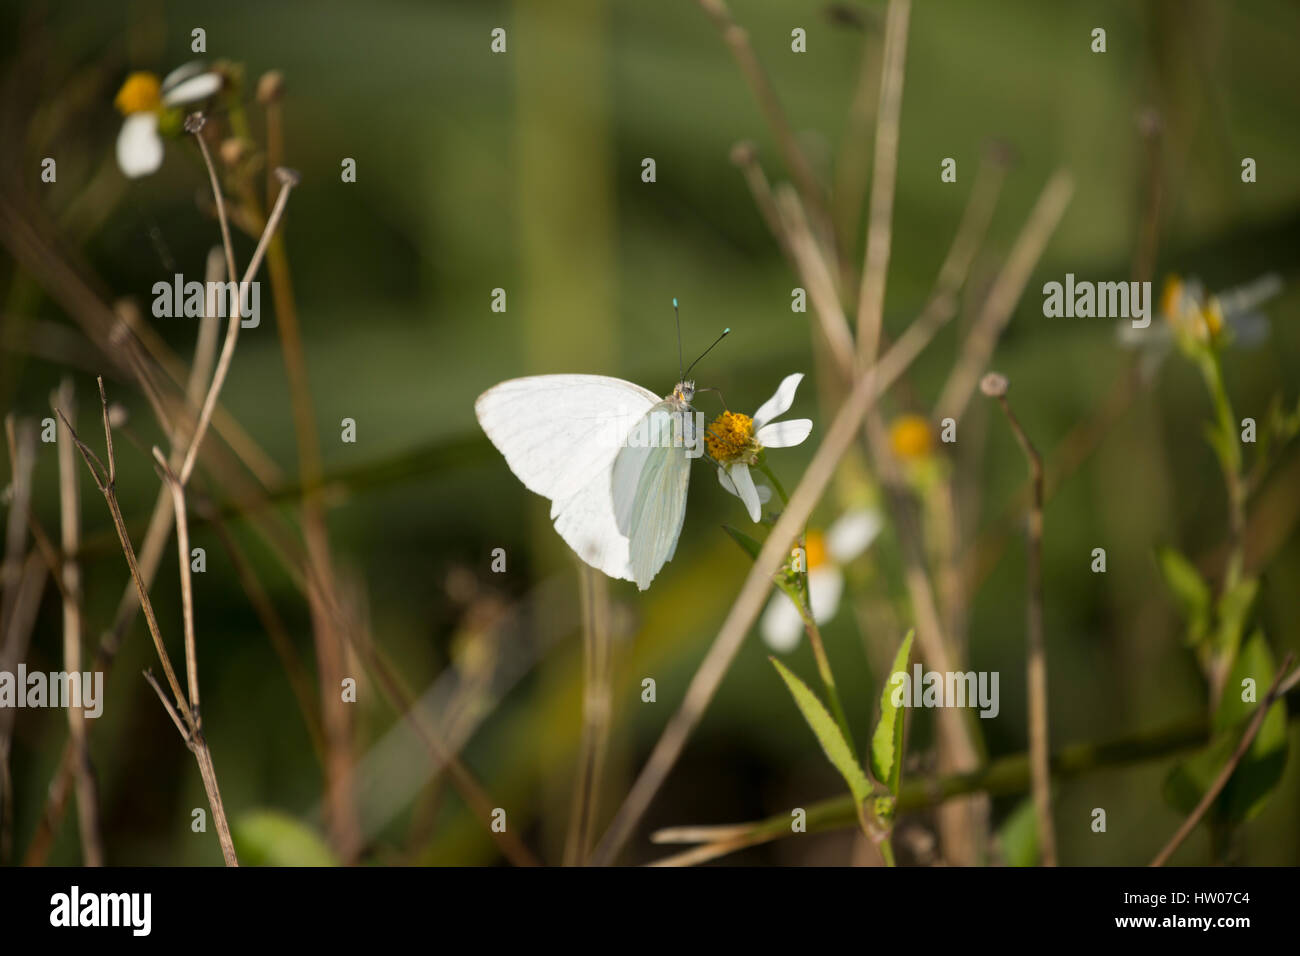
<point x="725" y="333"/>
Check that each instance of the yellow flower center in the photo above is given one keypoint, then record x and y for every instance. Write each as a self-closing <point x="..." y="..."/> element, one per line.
<point x="1213" y="316"/>
<point x="730" y="437"/>
<point x="910" y="437"/>
<point x="141" y="93"/>
<point x="815" y="549"/>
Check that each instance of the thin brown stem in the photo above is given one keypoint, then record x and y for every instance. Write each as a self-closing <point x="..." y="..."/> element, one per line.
<point x="737" y="39"/>
<point x="1229" y="768"/>
<point x="167" y="706"/>
<point x="69" y="574"/>
<point x="105" y="479"/>
<point x="187" y="584"/>
<point x="871" y="298"/>
<point x="232" y="329"/>
<point x="1036" y="647"/>
<point x="110" y="496"/>
<point x="816" y="275"/>
<point x="194" y="125"/>
<point x="596" y="711"/>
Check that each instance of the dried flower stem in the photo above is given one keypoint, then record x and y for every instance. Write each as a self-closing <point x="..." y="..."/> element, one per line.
<point x="1036" y="647"/>
<point x="105" y="479"/>
<point x="232" y="329"/>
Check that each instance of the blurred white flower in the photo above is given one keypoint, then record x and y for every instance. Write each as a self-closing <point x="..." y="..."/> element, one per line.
<point x="1192" y="316"/>
<point x="145" y="102"/>
<point x="735" y="440"/>
<point x="848" y="536"/>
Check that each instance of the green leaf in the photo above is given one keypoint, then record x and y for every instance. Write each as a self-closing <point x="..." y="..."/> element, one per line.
<point x="750" y="546"/>
<point x="1018" y="835"/>
<point x="887" y="741"/>
<point x="1260" y="767"/>
<point x="828" y="733"/>
<point x="1225" y="447"/>
<point x="1190" y="592"/>
<point x="273" y="838"/>
<point x="1234" y="609"/>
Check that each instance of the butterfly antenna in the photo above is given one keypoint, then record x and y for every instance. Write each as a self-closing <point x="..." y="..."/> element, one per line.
<point x="725" y="333"/>
<point x="678" y="315"/>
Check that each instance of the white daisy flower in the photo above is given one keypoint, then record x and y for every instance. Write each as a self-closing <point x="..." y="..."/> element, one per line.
<point x="735" y="440"/>
<point x="146" y="103"/>
<point x="1195" y="317"/>
<point x="848" y="536"/>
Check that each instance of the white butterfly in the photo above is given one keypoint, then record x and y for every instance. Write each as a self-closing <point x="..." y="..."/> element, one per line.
<point x="613" y="458"/>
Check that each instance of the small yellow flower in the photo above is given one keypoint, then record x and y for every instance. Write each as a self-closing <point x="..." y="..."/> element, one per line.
<point x="145" y="102"/>
<point x="141" y="93"/>
<point x="1188" y="311"/>
<point x="911" y="437"/>
<point x="730" y="437"/>
<point x="815" y="549"/>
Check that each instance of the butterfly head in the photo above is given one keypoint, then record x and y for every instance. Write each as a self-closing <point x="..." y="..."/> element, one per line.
<point x="683" y="393"/>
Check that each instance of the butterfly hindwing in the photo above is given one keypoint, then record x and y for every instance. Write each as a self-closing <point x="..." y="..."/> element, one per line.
<point x="649" y="491"/>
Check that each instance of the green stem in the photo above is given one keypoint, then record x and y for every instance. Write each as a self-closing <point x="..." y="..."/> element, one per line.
<point x="804" y="603"/>
<point x="887" y="852"/>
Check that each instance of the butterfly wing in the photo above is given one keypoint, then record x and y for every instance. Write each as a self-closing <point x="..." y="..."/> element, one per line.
<point x="556" y="431"/>
<point x="560" y="435"/>
<point x="649" y="489"/>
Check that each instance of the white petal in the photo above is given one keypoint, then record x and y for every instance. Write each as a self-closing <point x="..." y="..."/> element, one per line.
<point x="193" y="89"/>
<point x="779" y="403"/>
<point x="825" y="585"/>
<point x="784" y="434"/>
<point x="1249" y="329"/>
<point x="739" y="474"/>
<point x="139" y="150"/>
<point x="728" y="485"/>
<point x="781" y="624"/>
<point x="184" y="72"/>
<point x="764" y="493"/>
<point x="852" y="533"/>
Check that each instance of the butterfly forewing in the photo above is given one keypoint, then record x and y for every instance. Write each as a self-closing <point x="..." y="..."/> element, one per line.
<point x="557" y="431"/>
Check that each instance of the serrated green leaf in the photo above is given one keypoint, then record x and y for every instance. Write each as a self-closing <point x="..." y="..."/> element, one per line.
<point x="1260" y="767"/>
<point x="273" y="838"/>
<point x="887" y="741"/>
<point x="827" y="732"/>
<point x="748" y="544"/>
<point x="1189" y="591"/>
<point x="1018" y="835"/>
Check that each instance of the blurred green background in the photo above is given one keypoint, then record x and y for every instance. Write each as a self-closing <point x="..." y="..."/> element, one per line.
<point x="522" y="171"/>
